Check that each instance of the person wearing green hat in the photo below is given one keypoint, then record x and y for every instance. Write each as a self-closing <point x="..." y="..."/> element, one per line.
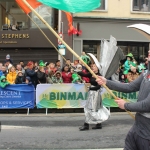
<point x="41" y="63"/>
<point x="3" y="82"/>
<point x="128" y="63"/>
<point x="141" y="68"/>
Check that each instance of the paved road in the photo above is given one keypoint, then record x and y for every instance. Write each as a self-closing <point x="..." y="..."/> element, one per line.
<point x="60" y="131"/>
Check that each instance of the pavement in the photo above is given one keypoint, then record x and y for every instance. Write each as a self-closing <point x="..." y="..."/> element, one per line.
<point x="60" y="131"/>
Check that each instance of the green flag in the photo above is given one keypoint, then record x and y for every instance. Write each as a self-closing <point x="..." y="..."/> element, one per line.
<point x="73" y="6"/>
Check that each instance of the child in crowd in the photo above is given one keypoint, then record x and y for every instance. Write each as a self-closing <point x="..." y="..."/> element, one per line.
<point x="3" y="82"/>
<point x="20" y="78"/>
<point x="28" y="80"/>
<point x="56" y="78"/>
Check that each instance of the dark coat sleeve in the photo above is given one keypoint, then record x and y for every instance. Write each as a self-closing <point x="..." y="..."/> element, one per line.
<point x="30" y="72"/>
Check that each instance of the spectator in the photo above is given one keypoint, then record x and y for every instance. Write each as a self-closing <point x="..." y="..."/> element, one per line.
<point x="57" y="78"/>
<point x="122" y="78"/>
<point x="3" y="82"/>
<point x="11" y="76"/>
<point x="52" y="68"/>
<point x="129" y="77"/>
<point x="128" y="63"/>
<point x="35" y="65"/>
<point x="30" y="72"/>
<point x="58" y="65"/>
<point x="1" y="73"/>
<point x="135" y="73"/>
<point x="66" y="74"/>
<point x="49" y="77"/>
<point x="115" y="76"/>
<point x="146" y="63"/>
<point x="41" y="75"/>
<point x="8" y="65"/>
<point x="141" y="68"/>
<point x="22" y="64"/>
<point x="1" y="64"/>
<point x="75" y="64"/>
<point x="4" y="71"/>
<point x="28" y="80"/>
<point x="19" y="68"/>
<point x="68" y="63"/>
<point x="20" y="78"/>
<point x="8" y="58"/>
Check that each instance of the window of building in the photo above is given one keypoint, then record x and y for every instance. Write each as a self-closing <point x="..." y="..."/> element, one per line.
<point x="91" y="47"/>
<point x="11" y="15"/>
<point x="141" y="5"/>
<point x="47" y="13"/>
<point x="138" y="49"/>
<point x="102" y="7"/>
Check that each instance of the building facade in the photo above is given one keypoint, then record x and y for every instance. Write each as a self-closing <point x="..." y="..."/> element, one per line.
<point x="112" y="18"/>
<point x="25" y="42"/>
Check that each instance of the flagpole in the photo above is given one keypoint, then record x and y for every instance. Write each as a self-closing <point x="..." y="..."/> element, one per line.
<point x="76" y="55"/>
<point x="47" y="38"/>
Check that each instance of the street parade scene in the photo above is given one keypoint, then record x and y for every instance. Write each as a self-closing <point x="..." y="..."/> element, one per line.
<point x="75" y="74"/>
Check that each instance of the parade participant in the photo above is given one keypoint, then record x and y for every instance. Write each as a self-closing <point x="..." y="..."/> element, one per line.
<point x="138" y="138"/>
<point x="94" y="100"/>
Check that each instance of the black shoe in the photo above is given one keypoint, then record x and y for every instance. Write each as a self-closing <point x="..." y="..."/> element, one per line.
<point x="84" y="127"/>
<point x="98" y="126"/>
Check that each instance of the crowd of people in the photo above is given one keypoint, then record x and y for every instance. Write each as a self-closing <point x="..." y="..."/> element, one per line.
<point x="54" y="72"/>
<point x="41" y="72"/>
<point x="130" y="69"/>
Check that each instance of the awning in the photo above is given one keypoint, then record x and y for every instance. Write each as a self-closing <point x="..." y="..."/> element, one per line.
<point x="98" y="30"/>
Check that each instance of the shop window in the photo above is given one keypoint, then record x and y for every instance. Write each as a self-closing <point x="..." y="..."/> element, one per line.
<point x="90" y="49"/>
<point x="141" y="5"/>
<point x="47" y="13"/>
<point x="103" y="4"/>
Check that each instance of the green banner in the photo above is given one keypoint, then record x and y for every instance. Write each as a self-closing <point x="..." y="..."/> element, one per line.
<point x="73" y="96"/>
<point x="108" y="100"/>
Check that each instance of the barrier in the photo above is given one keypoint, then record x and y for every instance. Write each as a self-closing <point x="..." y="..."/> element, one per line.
<point x="54" y="96"/>
<point x="73" y="96"/>
<point x="61" y="95"/>
<point x="17" y="96"/>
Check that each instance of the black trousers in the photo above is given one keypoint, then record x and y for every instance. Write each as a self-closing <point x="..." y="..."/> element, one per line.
<point x="134" y="142"/>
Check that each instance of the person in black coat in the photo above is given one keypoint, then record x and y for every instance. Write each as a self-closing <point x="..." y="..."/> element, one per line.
<point x="41" y="75"/>
<point x="94" y="100"/>
<point x="30" y="72"/>
<point x="20" y="78"/>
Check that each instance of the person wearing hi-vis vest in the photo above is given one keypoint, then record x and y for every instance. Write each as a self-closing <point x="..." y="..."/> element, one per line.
<point x="138" y="138"/>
